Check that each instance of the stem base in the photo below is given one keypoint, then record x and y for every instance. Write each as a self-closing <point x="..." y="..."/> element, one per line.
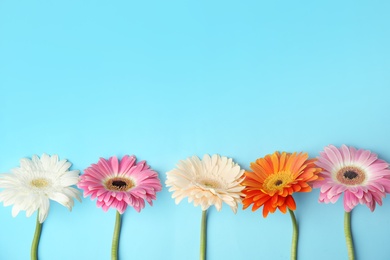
<point x="37" y="236"/>
<point x="294" y="243"/>
<point x="115" y="237"/>
<point x="203" y="236"/>
<point x="348" y="236"/>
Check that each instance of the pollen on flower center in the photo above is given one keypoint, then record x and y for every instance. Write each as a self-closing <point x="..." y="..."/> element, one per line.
<point x="39" y="183"/>
<point x="277" y="181"/>
<point x="119" y="184"/>
<point x="351" y="175"/>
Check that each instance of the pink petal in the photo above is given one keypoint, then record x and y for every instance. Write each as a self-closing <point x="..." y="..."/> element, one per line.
<point x="350" y="201"/>
<point x="377" y="167"/>
<point x="325" y="187"/>
<point x="346" y="155"/>
<point x="126" y="163"/>
<point x="334" y="155"/>
<point x="352" y="152"/>
<point x="104" y="166"/>
<point x="325" y="165"/>
<point x="373" y="158"/>
<point x="333" y="191"/>
<point x="335" y="198"/>
<point x="364" y="155"/>
<point x="114" y="164"/>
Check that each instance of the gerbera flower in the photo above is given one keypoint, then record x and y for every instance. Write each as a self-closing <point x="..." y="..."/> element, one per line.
<point x="359" y="174"/>
<point x="31" y="186"/>
<point x="118" y="184"/>
<point x="207" y="182"/>
<point x="275" y="178"/>
<point x="210" y="181"/>
<point x="273" y="181"/>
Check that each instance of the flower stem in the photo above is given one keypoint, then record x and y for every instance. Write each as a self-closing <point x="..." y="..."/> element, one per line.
<point x="115" y="238"/>
<point x="348" y="235"/>
<point x="37" y="236"/>
<point x="203" y="236"/>
<point x="294" y="243"/>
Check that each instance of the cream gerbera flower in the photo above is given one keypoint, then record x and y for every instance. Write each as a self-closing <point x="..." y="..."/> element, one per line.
<point x="207" y="182"/>
<point x="31" y="186"/>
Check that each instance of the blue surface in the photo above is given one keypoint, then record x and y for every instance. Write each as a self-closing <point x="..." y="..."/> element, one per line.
<point x="165" y="80"/>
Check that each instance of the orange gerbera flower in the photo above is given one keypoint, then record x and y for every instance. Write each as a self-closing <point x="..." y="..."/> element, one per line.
<point x="275" y="178"/>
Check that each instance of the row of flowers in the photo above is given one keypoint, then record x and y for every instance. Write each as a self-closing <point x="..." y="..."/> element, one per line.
<point x="210" y="181"/>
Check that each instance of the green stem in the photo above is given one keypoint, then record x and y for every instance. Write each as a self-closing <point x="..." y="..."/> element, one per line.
<point x="348" y="235"/>
<point x="294" y="243"/>
<point x="203" y="236"/>
<point x="37" y="236"/>
<point x="115" y="238"/>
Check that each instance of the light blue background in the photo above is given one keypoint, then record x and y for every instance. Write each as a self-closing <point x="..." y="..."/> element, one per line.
<point x="165" y="80"/>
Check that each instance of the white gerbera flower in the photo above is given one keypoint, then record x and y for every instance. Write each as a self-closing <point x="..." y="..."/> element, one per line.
<point x="35" y="182"/>
<point x="207" y="182"/>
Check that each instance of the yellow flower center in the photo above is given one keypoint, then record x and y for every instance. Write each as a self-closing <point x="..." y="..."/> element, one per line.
<point x="351" y="175"/>
<point x="277" y="181"/>
<point x="119" y="184"/>
<point x="39" y="183"/>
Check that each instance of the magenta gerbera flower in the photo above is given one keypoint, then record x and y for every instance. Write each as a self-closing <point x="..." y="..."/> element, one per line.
<point x="359" y="174"/>
<point x="120" y="183"/>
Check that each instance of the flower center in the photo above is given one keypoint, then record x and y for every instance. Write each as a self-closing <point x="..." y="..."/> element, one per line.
<point x="351" y="175"/>
<point x="211" y="184"/>
<point x="119" y="184"/>
<point x="39" y="183"/>
<point x="277" y="181"/>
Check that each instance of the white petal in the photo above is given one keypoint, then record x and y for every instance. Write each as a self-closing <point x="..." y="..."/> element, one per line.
<point x="44" y="210"/>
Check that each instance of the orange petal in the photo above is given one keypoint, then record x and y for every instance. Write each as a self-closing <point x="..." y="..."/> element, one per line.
<point x="256" y="176"/>
<point x="290" y="202"/>
<point x="259" y="169"/>
<point x="264" y="164"/>
<point x="251" y="183"/>
<point x="283" y="208"/>
<point x="290" y="160"/>
<point x="282" y="161"/>
<point x="263" y="200"/>
<point x="306" y="189"/>
<point x="301" y="158"/>
<point x="275" y="162"/>
<point x="281" y="201"/>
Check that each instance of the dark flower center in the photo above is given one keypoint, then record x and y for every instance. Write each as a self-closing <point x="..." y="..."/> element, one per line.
<point x="278" y="182"/>
<point x="350" y="175"/>
<point x="119" y="184"/>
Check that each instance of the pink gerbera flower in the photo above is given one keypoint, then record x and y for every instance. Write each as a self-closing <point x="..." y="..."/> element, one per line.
<point x="359" y="174"/>
<point x="117" y="184"/>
